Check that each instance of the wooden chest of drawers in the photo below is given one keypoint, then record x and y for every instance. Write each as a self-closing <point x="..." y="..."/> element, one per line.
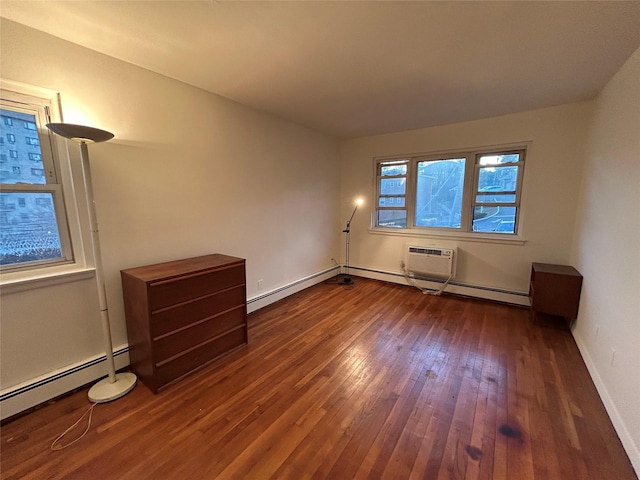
<point x="182" y="315"/>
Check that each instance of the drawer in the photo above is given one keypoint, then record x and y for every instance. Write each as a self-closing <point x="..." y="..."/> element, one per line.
<point x="169" y="292"/>
<point x="179" y="316"/>
<point x="171" y="370"/>
<point x="182" y="340"/>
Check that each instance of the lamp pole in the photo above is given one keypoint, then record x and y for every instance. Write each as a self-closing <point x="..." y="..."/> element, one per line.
<point x="115" y="385"/>
<point x="347" y="280"/>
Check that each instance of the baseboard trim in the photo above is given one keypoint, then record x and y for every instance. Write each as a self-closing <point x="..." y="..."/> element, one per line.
<point x="458" y="288"/>
<point x="29" y="394"/>
<point x="267" y="298"/>
<point x="633" y="450"/>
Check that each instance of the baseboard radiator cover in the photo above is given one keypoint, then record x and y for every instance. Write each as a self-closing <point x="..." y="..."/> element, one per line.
<point x="36" y="391"/>
<point x="259" y="301"/>
<point x="454" y="287"/>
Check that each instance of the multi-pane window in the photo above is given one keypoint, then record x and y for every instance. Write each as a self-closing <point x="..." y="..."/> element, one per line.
<point x="392" y="185"/>
<point x="33" y="228"/>
<point x="496" y="199"/>
<point x="471" y="192"/>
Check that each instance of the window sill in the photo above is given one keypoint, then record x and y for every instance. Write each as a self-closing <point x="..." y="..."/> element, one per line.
<point x="13" y="282"/>
<point x="459" y="236"/>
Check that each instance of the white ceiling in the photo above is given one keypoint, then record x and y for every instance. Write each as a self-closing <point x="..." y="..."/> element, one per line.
<point x="361" y="68"/>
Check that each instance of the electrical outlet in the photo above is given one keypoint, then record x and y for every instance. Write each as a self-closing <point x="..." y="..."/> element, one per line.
<point x="613" y="356"/>
<point x="260" y="284"/>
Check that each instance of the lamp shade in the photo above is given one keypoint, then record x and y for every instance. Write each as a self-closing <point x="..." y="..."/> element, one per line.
<point x="80" y="133"/>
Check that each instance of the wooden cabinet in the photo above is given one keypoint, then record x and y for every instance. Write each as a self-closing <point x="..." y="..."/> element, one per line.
<point x="182" y="315"/>
<point x="555" y="290"/>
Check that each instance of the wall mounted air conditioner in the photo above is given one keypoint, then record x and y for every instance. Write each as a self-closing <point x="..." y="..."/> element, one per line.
<point x="431" y="261"/>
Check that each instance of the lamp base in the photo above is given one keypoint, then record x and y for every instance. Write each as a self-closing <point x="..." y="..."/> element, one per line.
<point x="346" y="281"/>
<point x="106" y="391"/>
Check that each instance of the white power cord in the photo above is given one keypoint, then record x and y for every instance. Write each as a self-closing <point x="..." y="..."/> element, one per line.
<point x="60" y="447"/>
<point x="425" y="291"/>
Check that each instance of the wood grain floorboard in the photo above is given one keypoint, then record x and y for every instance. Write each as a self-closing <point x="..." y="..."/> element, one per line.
<point x="374" y="381"/>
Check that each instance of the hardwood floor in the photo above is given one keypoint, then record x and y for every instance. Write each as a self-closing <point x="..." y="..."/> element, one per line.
<point x="375" y="381"/>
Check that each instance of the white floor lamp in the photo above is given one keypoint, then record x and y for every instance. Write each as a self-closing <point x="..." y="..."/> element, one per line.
<point x="347" y="280"/>
<point x="115" y="385"/>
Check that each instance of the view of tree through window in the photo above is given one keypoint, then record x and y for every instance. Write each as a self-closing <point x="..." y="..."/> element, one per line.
<point x="439" y="193"/>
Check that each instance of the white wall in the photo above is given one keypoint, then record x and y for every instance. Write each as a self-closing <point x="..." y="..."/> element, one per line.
<point x="607" y="253"/>
<point x="188" y="173"/>
<point x="549" y="200"/>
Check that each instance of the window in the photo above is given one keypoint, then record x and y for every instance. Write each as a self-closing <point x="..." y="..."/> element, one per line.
<point x="36" y="235"/>
<point x="497" y="194"/>
<point x="439" y="187"/>
<point x="474" y="193"/>
<point x="392" y="185"/>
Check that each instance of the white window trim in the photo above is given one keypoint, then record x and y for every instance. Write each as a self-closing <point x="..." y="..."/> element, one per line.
<point x="78" y="268"/>
<point x="446" y="233"/>
<point x="459" y="236"/>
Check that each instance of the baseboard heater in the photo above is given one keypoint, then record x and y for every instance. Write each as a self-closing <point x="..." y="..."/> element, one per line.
<point x="511" y="297"/>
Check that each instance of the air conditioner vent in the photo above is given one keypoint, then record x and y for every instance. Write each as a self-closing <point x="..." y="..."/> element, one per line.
<point x="426" y="251"/>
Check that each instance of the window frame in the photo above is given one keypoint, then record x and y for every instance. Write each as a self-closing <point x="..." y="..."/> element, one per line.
<point x="59" y="175"/>
<point x="379" y="196"/>
<point x="472" y="170"/>
<point x="521" y="152"/>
